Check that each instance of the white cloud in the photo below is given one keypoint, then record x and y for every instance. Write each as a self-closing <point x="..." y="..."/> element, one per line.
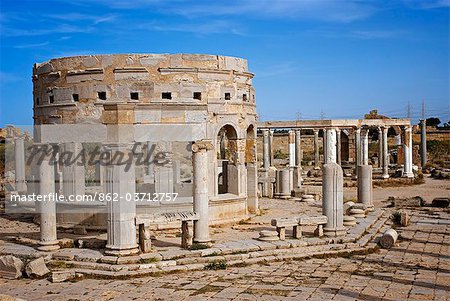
<point x="214" y="27"/>
<point x="62" y="28"/>
<point x="35" y="45"/>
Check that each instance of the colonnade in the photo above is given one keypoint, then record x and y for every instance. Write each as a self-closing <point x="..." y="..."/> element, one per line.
<point x="332" y="151"/>
<point x="119" y="180"/>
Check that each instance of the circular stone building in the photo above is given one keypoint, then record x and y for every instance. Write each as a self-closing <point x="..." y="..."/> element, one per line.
<point x="193" y="117"/>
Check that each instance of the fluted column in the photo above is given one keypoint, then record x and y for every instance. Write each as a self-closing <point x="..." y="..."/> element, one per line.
<point x="365" y="146"/>
<point x="200" y="151"/>
<point x="291" y="158"/>
<point x="408" y="172"/>
<point x="338" y="146"/>
<point x="330" y="146"/>
<point x="357" y="148"/>
<point x="298" y="159"/>
<point x="119" y="185"/>
<point x="380" y="148"/>
<point x="266" y="149"/>
<point x="332" y="199"/>
<point x="271" y="148"/>
<point x="47" y="206"/>
<point x="385" y="153"/>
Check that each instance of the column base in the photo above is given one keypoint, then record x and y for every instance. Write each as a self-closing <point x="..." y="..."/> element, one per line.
<point x="408" y="175"/>
<point x="202" y="240"/>
<point x="110" y="250"/>
<point x="334" y="232"/>
<point x="48" y="246"/>
<point x="282" y="196"/>
<point x="385" y="176"/>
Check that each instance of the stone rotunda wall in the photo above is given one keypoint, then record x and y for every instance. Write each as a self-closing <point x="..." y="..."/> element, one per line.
<point x="165" y="100"/>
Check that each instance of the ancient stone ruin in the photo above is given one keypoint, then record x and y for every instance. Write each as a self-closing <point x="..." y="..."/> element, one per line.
<point x="135" y="143"/>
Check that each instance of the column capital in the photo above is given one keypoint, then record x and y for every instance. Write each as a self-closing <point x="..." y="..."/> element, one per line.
<point x="202" y="145"/>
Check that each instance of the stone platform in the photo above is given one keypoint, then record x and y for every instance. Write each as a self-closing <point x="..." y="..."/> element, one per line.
<point x="93" y="263"/>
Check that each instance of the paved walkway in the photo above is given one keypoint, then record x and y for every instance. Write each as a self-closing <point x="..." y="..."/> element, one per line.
<point x="417" y="269"/>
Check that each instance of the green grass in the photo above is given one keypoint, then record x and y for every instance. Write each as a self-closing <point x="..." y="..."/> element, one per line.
<point x="216" y="265"/>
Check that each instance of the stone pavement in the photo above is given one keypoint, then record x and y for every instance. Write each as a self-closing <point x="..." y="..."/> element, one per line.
<point x="418" y="268"/>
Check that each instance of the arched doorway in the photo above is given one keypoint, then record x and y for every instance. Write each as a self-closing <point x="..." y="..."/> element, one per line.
<point x="226" y="157"/>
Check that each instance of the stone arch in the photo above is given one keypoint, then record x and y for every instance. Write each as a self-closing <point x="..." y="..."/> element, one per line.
<point x="226" y="155"/>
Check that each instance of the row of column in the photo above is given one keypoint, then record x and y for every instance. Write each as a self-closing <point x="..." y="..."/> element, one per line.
<point x="120" y="180"/>
<point x="295" y="155"/>
<point x="332" y="148"/>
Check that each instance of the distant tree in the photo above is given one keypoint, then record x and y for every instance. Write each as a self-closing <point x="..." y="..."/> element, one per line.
<point x="446" y="126"/>
<point x="433" y="121"/>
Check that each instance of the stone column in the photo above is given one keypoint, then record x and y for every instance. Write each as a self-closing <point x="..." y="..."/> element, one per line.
<point x="47" y="205"/>
<point x="332" y="199"/>
<point x="73" y="169"/>
<point x="19" y="153"/>
<point x="316" y="149"/>
<point x="298" y="159"/>
<point x="408" y="171"/>
<point x="266" y="149"/>
<point x="330" y="146"/>
<point x="423" y="142"/>
<point x="380" y="148"/>
<point x="252" y="187"/>
<point x="357" y="148"/>
<point x="271" y="148"/>
<point x="291" y="159"/>
<point x="282" y="190"/>
<point x="201" y="201"/>
<point x="365" y="185"/>
<point x="385" y="153"/>
<point x="338" y="146"/>
<point x="240" y="167"/>
<point x="365" y="146"/>
<point x="119" y="187"/>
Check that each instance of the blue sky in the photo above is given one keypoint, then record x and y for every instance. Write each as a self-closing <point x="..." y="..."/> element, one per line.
<point x="311" y="58"/>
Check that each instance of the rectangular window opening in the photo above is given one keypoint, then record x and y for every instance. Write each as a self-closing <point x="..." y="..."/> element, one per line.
<point x="166" y="95"/>
<point x="51" y="99"/>
<point x="101" y="95"/>
<point x="75" y="97"/>
<point x="134" y="95"/>
<point x="244" y="97"/>
<point x="198" y="95"/>
<point x="227" y="96"/>
<point x="37" y="100"/>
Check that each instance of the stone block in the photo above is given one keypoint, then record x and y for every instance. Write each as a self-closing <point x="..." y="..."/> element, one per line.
<point x="416" y="201"/>
<point x="37" y="268"/>
<point x="61" y="276"/>
<point x="389" y="238"/>
<point x="441" y="202"/>
<point x="11" y="267"/>
<point x="404" y="218"/>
